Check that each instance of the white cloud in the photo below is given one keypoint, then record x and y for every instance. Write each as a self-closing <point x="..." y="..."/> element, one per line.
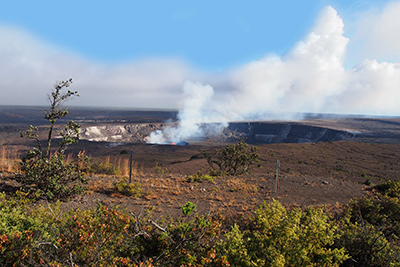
<point x="377" y="33"/>
<point x="28" y="69"/>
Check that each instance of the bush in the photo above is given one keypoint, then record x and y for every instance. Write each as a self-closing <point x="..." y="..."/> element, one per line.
<point x="233" y="159"/>
<point x="92" y="237"/>
<point x="281" y="238"/>
<point x="52" y="174"/>
<point x="54" y="177"/>
<point x="390" y="188"/>
<point x="367" y="245"/>
<point x="371" y="228"/>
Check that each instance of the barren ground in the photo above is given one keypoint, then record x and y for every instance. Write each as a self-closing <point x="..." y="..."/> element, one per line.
<point x="329" y="173"/>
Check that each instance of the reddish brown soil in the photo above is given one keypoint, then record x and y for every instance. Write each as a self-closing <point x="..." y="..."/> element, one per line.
<point x="310" y="174"/>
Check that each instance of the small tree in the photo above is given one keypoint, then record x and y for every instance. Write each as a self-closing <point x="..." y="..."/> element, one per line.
<point x="51" y="173"/>
<point x="233" y="159"/>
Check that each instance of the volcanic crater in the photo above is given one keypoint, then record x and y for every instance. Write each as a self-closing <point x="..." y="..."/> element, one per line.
<point x="323" y="159"/>
<point x="256" y="133"/>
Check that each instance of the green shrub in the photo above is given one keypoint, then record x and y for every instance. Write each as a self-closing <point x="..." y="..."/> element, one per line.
<point x="52" y="174"/>
<point x="281" y="238"/>
<point x="184" y="241"/>
<point x="92" y="237"/>
<point x="199" y="177"/>
<point x="366" y="245"/>
<point x="233" y="159"/>
<point x="368" y="182"/>
<point x="188" y="208"/>
<point x="44" y="235"/>
<point x="371" y="228"/>
<point x="25" y="229"/>
<point x="128" y="189"/>
<point x="55" y="178"/>
<point x="390" y="188"/>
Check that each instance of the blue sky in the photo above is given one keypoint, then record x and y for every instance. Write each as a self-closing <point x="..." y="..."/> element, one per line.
<point x="139" y="54"/>
<point x="211" y="35"/>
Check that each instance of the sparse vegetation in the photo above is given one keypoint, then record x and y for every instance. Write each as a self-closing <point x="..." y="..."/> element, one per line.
<point x="103" y="168"/>
<point x="160" y="170"/>
<point x="49" y="172"/>
<point x="128" y="189"/>
<point x="199" y="177"/>
<point x="233" y="159"/>
<point x="9" y="160"/>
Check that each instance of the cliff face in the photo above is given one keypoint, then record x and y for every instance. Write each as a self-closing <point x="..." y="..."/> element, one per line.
<point x="267" y="133"/>
<point x="254" y="132"/>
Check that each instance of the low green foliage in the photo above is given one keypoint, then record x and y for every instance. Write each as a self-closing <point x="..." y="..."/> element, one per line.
<point x="368" y="182"/>
<point x="188" y="208"/>
<point x="199" y="177"/>
<point x="160" y="170"/>
<point x="103" y="236"/>
<point x="233" y="159"/>
<point x="365" y="233"/>
<point x="367" y="245"/>
<point x="128" y="189"/>
<point x="91" y="237"/>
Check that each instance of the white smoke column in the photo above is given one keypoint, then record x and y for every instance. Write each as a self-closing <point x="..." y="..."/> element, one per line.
<point x="372" y="88"/>
<point x="197" y="109"/>
<point x="309" y="78"/>
<point x="302" y="79"/>
<point x="376" y="35"/>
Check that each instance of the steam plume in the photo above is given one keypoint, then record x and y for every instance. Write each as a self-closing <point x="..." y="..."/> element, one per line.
<point x="309" y="78"/>
<point x="197" y="109"/>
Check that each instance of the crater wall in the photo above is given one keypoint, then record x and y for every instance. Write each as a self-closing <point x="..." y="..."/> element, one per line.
<point x="254" y="132"/>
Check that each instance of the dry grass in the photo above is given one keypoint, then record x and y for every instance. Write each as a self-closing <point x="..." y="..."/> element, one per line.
<point x="169" y="191"/>
<point x="238" y="184"/>
<point x="101" y="185"/>
<point x="9" y="160"/>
